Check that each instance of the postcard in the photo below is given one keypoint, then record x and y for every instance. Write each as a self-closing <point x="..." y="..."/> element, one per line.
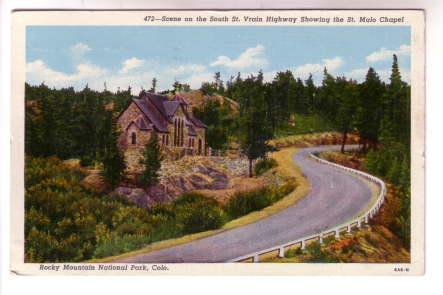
<point x="232" y="142"/>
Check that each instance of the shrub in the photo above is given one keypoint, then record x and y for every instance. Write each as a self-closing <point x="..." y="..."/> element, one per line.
<point x="243" y="203"/>
<point x="317" y="255"/>
<point x="264" y="165"/>
<point x="196" y="213"/>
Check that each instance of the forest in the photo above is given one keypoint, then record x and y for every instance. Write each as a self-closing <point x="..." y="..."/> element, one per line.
<point x="65" y="222"/>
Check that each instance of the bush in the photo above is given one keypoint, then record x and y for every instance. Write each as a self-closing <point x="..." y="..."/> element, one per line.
<point x="243" y="203"/>
<point x="264" y="165"/>
<point x="317" y="255"/>
<point x="196" y="213"/>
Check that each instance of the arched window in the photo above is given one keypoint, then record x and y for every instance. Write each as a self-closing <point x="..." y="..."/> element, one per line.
<point x="183" y="133"/>
<point x="133" y="138"/>
<point x="175" y="132"/>
<point x="199" y="146"/>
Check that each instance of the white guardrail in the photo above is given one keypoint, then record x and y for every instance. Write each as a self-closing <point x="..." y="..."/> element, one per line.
<point x="336" y="230"/>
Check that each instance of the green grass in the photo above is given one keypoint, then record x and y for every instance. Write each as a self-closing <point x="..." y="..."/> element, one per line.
<point x="305" y="123"/>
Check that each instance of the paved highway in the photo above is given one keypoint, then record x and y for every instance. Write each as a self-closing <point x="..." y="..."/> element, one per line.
<point x="335" y="197"/>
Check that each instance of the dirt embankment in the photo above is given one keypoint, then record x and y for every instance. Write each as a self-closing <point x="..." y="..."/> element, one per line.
<point x="197" y="99"/>
<point x="314" y="139"/>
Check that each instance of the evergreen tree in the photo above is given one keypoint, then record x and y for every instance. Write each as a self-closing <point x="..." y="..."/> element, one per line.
<point x="279" y="98"/>
<point x="326" y="100"/>
<point x="218" y="83"/>
<point x="369" y="111"/>
<point x="154" y="85"/>
<point x="347" y="93"/>
<point x="297" y="103"/>
<point x="396" y="108"/>
<point x="113" y="160"/>
<point x="254" y="129"/>
<point x="176" y="87"/>
<point x="151" y="161"/>
<point x="219" y="120"/>
<point x="310" y="93"/>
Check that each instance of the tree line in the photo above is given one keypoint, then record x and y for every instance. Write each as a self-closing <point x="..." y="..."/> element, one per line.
<point x="72" y="124"/>
<point x="379" y="112"/>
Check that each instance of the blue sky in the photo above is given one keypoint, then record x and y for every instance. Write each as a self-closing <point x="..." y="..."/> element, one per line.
<point x="121" y="56"/>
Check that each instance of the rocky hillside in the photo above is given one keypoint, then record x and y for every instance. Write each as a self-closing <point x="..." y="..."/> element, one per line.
<point x="218" y="177"/>
<point x="196" y="99"/>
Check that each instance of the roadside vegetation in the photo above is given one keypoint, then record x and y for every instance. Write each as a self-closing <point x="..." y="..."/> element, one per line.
<point x="66" y="221"/>
<point x="263" y="165"/>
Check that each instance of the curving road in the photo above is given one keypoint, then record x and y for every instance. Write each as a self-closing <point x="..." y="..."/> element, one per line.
<point x="335" y="197"/>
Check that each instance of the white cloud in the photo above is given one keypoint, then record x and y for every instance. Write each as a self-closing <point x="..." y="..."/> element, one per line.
<point x="131" y="64"/>
<point x="331" y="64"/>
<point x="384" y="54"/>
<point x="357" y="74"/>
<point x="251" y="57"/>
<point x="188" y="68"/>
<point x="38" y="72"/>
<point x="85" y="73"/>
<point x="195" y="80"/>
<point x="269" y="76"/>
<point x="80" y="49"/>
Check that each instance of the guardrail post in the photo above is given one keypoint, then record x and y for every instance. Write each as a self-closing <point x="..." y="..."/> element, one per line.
<point x="366" y="218"/>
<point x="281" y="252"/>
<point x="303" y="245"/>
<point x="349" y="228"/>
<point x="320" y="238"/>
<point x="337" y="233"/>
<point x="359" y="223"/>
<point x="256" y="258"/>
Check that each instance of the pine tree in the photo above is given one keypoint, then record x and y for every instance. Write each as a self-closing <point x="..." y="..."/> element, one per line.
<point x="369" y="110"/>
<point x="299" y="102"/>
<point x="326" y="100"/>
<point x="347" y="92"/>
<point x="280" y="96"/>
<point x="396" y="104"/>
<point x="113" y="160"/>
<point x="151" y="161"/>
<point x="218" y="84"/>
<point x="310" y="93"/>
<point x="254" y="128"/>
<point x="154" y="85"/>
